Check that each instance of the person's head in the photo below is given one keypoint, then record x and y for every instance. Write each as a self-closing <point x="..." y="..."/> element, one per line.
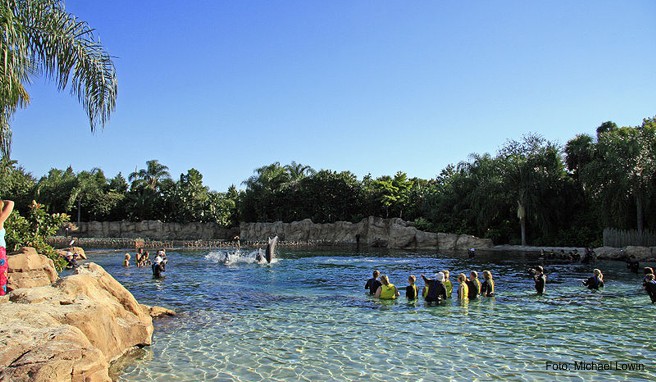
<point x="597" y="273"/>
<point x="446" y="274"/>
<point x="487" y="275"/>
<point x="462" y="278"/>
<point x="473" y="275"/>
<point x="376" y="273"/>
<point x="127" y="256"/>
<point x="384" y="280"/>
<point x="648" y="270"/>
<point x="412" y="279"/>
<point x="651" y="277"/>
<point x="539" y="269"/>
<point x="440" y="276"/>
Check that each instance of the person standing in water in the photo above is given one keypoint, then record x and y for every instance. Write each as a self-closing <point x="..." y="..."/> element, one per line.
<point x="474" y="285"/>
<point x="411" y="291"/>
<point x="447" y="284"/>
<point x="650" y="287"/>
<point x="487" y="288"/>
<point x="463" y="288"/>
<point x="373" y="284"/>
<point x="596" y="281"/>
<point x="540" y="279"/>
<point x="6" y="206"/>
<point x="436" y="292"/>
<point x="387" y="290"/>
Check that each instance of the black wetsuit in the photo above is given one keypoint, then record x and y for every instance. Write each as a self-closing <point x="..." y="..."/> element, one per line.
<point x="157" y="270"/>
<point x="436" y="291"/>
<point x="372" y="284"/>
<point x="487" y="288"/>
<point x="650" y="287"/>
<point x="593" y="283"/>
<point x="540" y="283"/>
<point x="474" y="289"/>
<point x="411" y="292"/>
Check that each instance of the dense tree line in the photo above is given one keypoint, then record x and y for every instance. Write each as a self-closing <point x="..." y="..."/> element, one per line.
<point x="532" y="191"/>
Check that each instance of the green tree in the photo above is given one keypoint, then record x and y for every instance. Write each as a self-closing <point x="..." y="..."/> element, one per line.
<point x="189" y="199"/>
<point x="533" y="172"/>
<point x="16" y="184"/>
<point x="622" y="174"/>
<point x="54" y="190"/>
<point x="145" y="198"/>
<point x="41" y="38"/>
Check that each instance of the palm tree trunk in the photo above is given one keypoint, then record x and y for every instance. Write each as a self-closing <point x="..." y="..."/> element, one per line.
<point x="639" y="213"/>
<point x="79" y="210"/>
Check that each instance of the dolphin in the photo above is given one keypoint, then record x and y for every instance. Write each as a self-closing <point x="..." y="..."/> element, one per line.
<point x="271" y="249"/>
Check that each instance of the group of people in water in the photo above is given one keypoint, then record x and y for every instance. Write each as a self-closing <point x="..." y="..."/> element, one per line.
<point x="436" y="290"/>
<point x="142" y="259"/>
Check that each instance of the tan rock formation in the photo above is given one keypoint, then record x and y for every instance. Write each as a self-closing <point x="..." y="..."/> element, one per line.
<point x="28" y="269"/>
<point x="71" y="330"/>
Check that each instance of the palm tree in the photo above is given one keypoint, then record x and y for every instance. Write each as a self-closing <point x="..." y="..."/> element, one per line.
<point x="150" y="177"/>
<point x="38" y="37"/>
<point x="298" y="171"/>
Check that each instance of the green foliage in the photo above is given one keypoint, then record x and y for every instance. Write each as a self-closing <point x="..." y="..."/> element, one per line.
<point x="33" y="230"/>
<point x="567" y="195"/>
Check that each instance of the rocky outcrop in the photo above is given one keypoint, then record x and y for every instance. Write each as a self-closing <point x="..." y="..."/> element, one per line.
<point x="373" y="232"/>
<point x="154" y="230"/>
<point x="71" y="330"/>
<point x="28" y="269"/>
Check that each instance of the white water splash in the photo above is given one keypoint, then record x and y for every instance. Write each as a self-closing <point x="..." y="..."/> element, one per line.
<point x="238" y="257"/>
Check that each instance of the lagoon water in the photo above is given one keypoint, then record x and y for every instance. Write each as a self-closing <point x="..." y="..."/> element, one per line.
<point x="306" y="317"/>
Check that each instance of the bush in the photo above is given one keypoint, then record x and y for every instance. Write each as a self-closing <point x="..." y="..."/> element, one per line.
<point x="33" y="231"/>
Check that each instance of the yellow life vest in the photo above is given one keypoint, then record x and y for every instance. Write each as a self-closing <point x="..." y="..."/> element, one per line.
<point x="387" y="292"/>
<point x="463" y="291"/>
<point x="449" y="288"/>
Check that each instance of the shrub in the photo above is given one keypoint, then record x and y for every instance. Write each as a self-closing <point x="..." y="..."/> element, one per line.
<point x="33" y="230"/>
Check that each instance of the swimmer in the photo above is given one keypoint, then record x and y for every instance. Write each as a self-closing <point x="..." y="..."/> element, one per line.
<point x="463" y="289"/>
<point x="411" y="291"/>
<point x="487" y="289"/>
<point x="387" y="290"/>
<point x="373" y="284"/>
<point x="596" y="281"/>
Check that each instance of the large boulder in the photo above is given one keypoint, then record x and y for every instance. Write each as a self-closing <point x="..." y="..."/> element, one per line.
<point x="641" y="253"/>
<point x="71" y="330"/>
<point x="28" y="269"/>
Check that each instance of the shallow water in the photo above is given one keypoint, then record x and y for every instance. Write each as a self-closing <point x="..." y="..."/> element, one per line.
<point x="306" y="317"/>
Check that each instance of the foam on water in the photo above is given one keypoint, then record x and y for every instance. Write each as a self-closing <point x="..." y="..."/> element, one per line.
<point x="235" y="257"/>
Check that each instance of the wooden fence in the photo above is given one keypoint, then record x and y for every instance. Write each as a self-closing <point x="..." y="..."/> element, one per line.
<point x="624" y="238"/>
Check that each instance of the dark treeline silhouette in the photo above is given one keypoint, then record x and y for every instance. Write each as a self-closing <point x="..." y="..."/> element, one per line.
<point x="531" y="192"/>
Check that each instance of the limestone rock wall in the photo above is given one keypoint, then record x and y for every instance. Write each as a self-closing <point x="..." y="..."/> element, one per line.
<point x="155" y="230"/>
<point x="373" y="232"/>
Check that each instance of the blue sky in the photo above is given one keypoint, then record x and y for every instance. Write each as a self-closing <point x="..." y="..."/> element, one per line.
<point x="373" y="87"/>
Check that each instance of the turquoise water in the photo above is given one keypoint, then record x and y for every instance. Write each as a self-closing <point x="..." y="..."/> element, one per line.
<point x="306" y="317"/>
